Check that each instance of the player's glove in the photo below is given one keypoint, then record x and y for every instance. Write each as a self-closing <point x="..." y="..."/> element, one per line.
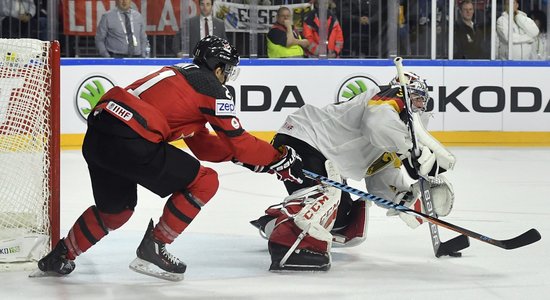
<point x="253" y="168"/>
<point x="288" y="167"/>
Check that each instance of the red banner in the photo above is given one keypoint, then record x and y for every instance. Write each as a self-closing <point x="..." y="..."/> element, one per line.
<point x="80" y="17"/>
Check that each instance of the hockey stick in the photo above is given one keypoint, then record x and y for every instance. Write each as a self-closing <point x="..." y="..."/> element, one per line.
<point x="424" y="190"/>
<point x="529" y="237"/>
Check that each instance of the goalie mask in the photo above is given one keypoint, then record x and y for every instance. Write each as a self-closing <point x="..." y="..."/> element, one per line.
<point x="213" y="52"/>
<point x="418" y="90"/>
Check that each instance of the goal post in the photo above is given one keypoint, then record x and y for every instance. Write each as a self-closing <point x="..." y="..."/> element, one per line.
<point x="29" y="149"/>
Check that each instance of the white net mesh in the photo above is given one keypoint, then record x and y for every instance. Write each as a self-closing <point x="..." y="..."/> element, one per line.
<point x="25" y="139"/>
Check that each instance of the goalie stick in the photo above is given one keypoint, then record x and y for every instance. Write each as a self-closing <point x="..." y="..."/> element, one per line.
<point x="424" y="190"/>
<point x="528" y="237"/>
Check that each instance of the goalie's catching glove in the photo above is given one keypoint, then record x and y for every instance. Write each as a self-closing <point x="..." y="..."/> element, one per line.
<point x="287" y="168"/>
<point x="441" y="193"/>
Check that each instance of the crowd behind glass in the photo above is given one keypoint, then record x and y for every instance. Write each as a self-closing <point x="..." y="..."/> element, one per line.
<point x="371" y="28"/>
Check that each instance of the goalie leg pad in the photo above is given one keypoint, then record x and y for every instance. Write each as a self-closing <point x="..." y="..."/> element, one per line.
<point x="355" y="231"/>
<point x="266" y="223"/>
<point x="291" y="248"/>
<point x="303" y="227"/>
<point x="286" y="233"/>
<point x="312" y="212"/>
<point x="317" y="207"/>
<point x="318" y="215"/>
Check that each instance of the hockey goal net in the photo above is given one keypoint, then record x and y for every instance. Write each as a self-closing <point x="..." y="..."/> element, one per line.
<point x="29" y="149"/>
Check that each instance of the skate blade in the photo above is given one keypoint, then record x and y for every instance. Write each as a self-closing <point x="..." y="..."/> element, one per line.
<point x="287" y="268"/>
<point x="144" y="267"/>
<point x="39" y="273"/>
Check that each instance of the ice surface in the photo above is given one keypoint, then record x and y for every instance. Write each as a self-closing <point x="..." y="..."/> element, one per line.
<point x="500" y="192"/>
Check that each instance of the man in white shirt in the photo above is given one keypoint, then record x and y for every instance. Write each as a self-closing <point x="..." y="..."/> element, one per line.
<point x="121" y="32"/>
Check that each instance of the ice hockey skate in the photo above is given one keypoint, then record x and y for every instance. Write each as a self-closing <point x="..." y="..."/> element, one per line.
<point x="55" y="263"/>
<point x="299" y="259"/>
<point x="154" y="260"/>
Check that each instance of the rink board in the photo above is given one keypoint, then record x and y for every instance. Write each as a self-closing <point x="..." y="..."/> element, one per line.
<point x="474" y="102"/>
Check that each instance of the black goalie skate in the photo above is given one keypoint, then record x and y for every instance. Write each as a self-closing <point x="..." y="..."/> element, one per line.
<point x="154" y="260"/>
<point x="55" y="263"/>
<point x="298" y="260"/>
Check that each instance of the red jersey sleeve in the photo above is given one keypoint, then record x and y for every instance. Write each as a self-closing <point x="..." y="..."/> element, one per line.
<point x="189" y="97"/>
<point x="220" y="113"/>
<point x="208" y="147"/>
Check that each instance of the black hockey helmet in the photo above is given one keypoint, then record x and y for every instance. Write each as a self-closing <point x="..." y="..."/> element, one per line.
<point x="213" y="52"/>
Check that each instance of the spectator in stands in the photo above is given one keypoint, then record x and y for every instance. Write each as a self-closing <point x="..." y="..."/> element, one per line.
<point x="259" y="2"/>
<point x="540" y="44"/>
<point x="283" y="40"/>
<point x="524" y="34"/>
<point x="468" y="38"/>
<point x="15" y="16"/>
<point x="425" y="10"/>
<point x="121" y="32"/>
<point x="199" y="27"/>
<point x="404" y="36"/>
<point x="335" y="36"/>
<point x="355" y="25"/>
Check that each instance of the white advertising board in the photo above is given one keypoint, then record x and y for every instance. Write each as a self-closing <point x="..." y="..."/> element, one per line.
<point x="485" y="96"/>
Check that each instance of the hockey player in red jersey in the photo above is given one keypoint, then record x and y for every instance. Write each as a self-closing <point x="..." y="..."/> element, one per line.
<point x="362" y="138"/>
<point x="127" y="143"/>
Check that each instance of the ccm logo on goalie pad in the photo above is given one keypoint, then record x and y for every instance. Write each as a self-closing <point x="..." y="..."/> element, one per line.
<point x="225" y="107"/>
<point x="316" y="207"/>
<point x="119" y="111"/>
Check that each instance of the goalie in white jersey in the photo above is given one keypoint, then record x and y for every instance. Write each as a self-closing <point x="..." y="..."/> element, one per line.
<point x="358" y="139"/>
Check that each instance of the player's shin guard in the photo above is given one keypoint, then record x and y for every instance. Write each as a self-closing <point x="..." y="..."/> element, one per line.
<point x="178" y="213"/>
<point x="91" y="227"/>
<point x="182" y="207"/>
